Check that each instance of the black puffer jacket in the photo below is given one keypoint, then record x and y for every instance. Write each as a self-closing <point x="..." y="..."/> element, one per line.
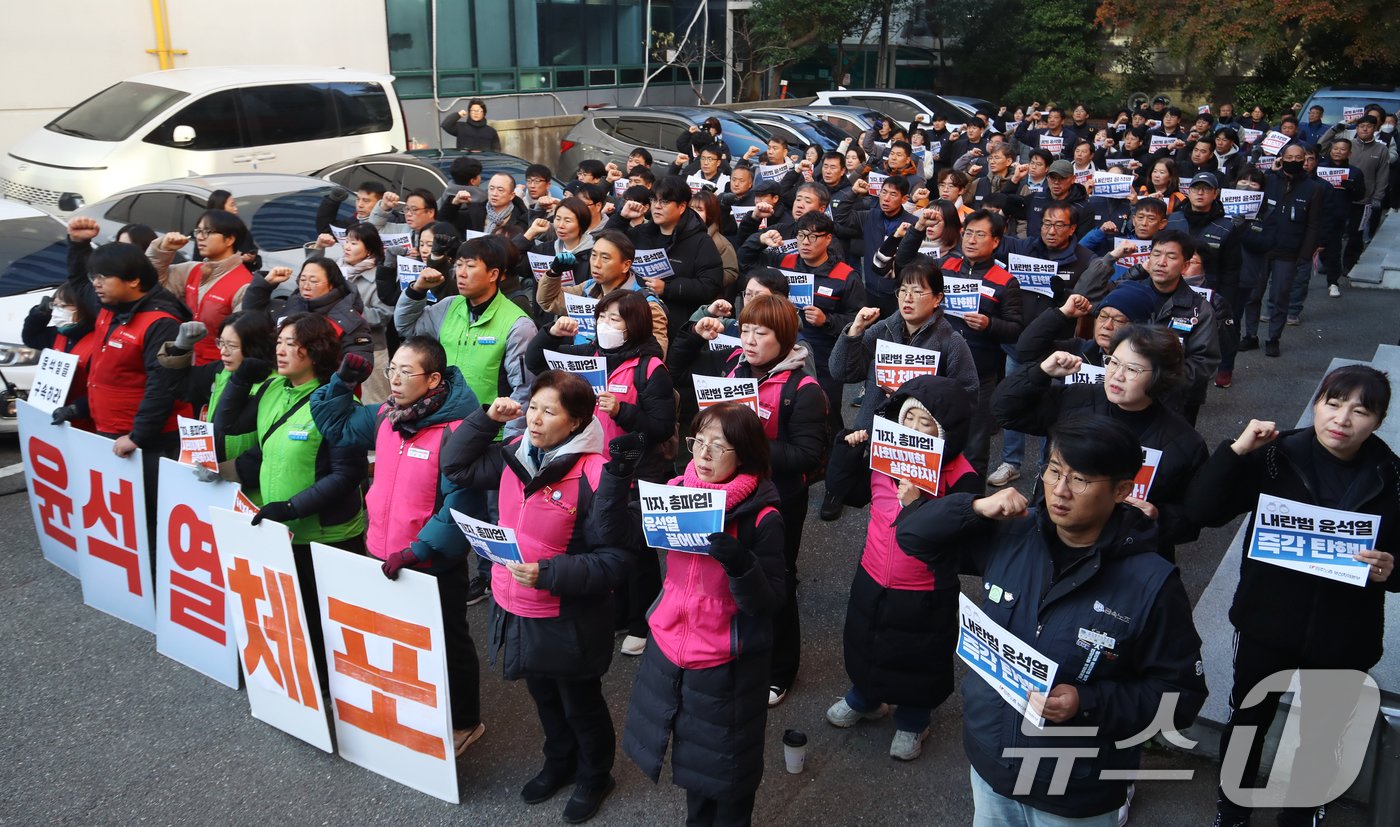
<point x="1324" y="623"/>
<point x="343" y="307"/>
<point x="699" y="277"/>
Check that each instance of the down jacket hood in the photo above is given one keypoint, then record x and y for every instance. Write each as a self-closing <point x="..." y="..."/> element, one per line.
<point x="946" y="401"/>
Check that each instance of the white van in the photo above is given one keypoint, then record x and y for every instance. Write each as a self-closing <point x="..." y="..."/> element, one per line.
<point x="183" y="122"/>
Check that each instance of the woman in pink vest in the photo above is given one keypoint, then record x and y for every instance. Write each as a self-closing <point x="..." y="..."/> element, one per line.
<point x="701" y="683"/>
<point x="553" y="612"/>
<point x="638" y="399"/>
<point x="902" y="619"/>
<point x="410" y="502"/>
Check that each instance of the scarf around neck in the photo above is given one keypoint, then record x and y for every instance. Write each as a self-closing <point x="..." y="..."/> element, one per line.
<point x="408" y="420"/>
<point x="736" y="490"/>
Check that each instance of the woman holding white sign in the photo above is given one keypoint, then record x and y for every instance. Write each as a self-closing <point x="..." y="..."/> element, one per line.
<point x="552" y="614"/>
<point x="1294" y="616"/>
<point x="701" y="683"/>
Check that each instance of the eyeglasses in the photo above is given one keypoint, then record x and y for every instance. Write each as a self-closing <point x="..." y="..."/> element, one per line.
<point x="225" y="344"/>
<point x="1056" y="225"/>
<point x="200" y="232"/>
<point x="701" y="448"/>
<point x="1052" y="475"/>
<point x="536" y="180"/>
<point x="976" y="235"/>
<point x="1112" y="319"/>
<point x="1113" y="363"/>
<point x="912" y="293"/>
<point x="810" y="237"/>
<point x="391" y="373"/>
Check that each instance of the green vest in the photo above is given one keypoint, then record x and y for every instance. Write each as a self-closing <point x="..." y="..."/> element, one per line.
<point x="478" y="348"/>
<point x="289" y="459"/>
<point x="234" y="444"/>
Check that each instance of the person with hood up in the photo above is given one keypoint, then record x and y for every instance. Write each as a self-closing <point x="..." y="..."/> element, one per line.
<point x="552" y="616"/>
<point x="902" y="618"/>
<point x="470" y="130"/>
<point x="701" y="682"/>
<point x="321" y="291"/>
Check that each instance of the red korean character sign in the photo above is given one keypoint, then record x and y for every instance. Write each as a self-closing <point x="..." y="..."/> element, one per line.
<point x="115" y="559"/>
<point x="269" y="625"/>
<point x="193" y="616"/>
<point x="388" y="671"/>
<point x="52" y="480"/>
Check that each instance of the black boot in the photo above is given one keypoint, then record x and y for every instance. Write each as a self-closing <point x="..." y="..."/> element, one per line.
<point x="587" y="800"/>
<point x="543" y="786"/>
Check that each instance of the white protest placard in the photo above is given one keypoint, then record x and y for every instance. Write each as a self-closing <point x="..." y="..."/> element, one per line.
<point x="723" y="342"/>
<point x="1053" y="144"/>
<point x="1008" y="664"/>
<point x="896" y="364"/>
<point x="1266" y="162"/>
<point x="712" y="390"/>
<point x="904" y="453"/>
<point x="1035" y="274"/>
<point x="1121" y="163"/>
<point x="1351" y="114"/>
<point x="1250" y="136"/>
<point x="876" y="180"/>
<point x="339" y="234"/>
<point x="800" y="288"/>
<point x="387" y="657"/>
<point x="786" y="248"/>
<point x="620" y="186"/>
<point x="740" y="213"/>
<point x="1336" y="176"/>
<point x="493" y="542"/>
<point x="1208" y="293"/>
<point x="697" y="182"/>
<point x="1086" y="375"/>
<point x="677" y="518"/>
<point x="937" y="149"/>
<point x="1241" y="203"/>
<point x="115" y="565"/>
<point x="1084" y="176"/>
<point x="584" y="311"/>
<point x="1142" y="482"/>
<point x="539" y="265"/>
<point x="652" y="264"/>
<point x="269" y="623"/>
<point x="1273" y="143"/>
<point x="194" y="622"/>
<point x="1160" y="142"/>
<point x="197" y="442"/>
<point x="1112" y="185"/>
<point x="53" y="482"/>
<point x="594" y="369"/>
<point x="961" y="296"/>
<point x="773" y="172"/>
<point x="396" y="240"/>
<point x="408" y="270"/>
<point x="1143" y="251"/>
<point x="52" y="379"/>
<point x="1312" y="539"/>
<point x="1203" y="109"/>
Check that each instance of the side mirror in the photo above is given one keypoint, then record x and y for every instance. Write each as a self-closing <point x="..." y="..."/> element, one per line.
<point x="70" y="201"/>
<point x="182" y="135"/>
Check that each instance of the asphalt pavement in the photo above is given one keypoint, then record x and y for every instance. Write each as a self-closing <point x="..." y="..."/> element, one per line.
<point x="97" y="728"/>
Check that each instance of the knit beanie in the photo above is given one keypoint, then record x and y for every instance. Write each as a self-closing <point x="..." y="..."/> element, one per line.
<point x="1133" y="299"/>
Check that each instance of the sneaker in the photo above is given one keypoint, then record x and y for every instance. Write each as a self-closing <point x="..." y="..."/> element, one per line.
<point x="1334" y="291"/>
<point x="1127" y="806"/>
<point x="463" y="738"/>
<point x="1223" y="378"/>
<point x="1249" y="343"/>
<point x="831" y="507"/>
<point x="543" y="786"/>
<point x="633" y="645"/>
<point x="1004" y="474"/>
<point x="478" y="590"/>
<point x="841" y="714"/>
<point x="777" y="694"/>
<point x="1264" y="316"/>
<point x="1271" y="347"/>
<point x="587" y="801"/>
<point x="858" y="401"/>
<point x="907" y="746"/>
<point x="1293" y="320"/>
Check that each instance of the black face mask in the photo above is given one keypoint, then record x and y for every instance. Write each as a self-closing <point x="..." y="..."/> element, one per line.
<point x="1293" y="168"/>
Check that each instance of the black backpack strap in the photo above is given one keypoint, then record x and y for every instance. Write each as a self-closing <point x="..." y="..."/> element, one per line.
<point x="282" y="420"/>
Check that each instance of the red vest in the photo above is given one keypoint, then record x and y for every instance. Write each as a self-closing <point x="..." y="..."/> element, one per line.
<point x="216" y="305"/>
<point x="117" y="376"/>
<point x="834" y="283"/>
<point x="83" y="349"/>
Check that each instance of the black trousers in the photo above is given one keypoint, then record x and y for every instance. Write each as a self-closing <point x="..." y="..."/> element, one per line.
<point x="463" y="667"/>
<point x="979" y="438"/>
<point x="712" y="812"/>
<point x="787" y="626"/>
<point x="578" y="729"/>
<point x="311" y="598"/>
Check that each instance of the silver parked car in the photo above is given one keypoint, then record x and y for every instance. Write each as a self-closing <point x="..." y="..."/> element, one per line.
<point x="612" y="134"/>
<point x="33" y="261"/>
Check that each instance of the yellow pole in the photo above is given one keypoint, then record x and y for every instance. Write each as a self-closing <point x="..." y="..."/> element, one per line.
<point x="162" y="51"/>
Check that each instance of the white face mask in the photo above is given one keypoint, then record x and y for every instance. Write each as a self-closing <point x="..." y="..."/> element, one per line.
<point x="610" y="337"/>
<point x="61" y="316"/>
<point x="1387" y="128"/>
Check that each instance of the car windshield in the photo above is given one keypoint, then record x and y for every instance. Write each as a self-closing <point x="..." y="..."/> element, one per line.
<point x="831" y="133"/>
<point x="284" y="220"/>
<point x="33" y="254"/>
<point x="739" y="136"/>
<point x="115" y="112"/>
<point x="1332" y="107"/>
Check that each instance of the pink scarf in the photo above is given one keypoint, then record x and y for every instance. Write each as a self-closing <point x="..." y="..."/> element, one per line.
<point x="735" y="491"/>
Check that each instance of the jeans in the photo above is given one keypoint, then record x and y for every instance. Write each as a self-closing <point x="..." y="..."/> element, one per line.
<point x="1302" y="279"/>
<point x="906" y="718"/>
<point x="1013" y="443"/>
<point x="993" y="810"/>
<point x="1275" y="281"/>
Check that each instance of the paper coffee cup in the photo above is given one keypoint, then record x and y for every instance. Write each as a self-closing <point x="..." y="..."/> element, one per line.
<point x="794" y="750"/>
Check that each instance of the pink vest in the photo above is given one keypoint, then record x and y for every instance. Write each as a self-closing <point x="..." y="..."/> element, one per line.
<point x="622" y="384"/>
<point x="403" y="496"/>
<point x="770" y="398"/>
<point x="693" y="620"/>
<point x="883" y="559"/>
<point x="544" y="525"/>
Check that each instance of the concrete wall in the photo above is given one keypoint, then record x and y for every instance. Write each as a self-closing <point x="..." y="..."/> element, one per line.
<point x="58" y="54"/>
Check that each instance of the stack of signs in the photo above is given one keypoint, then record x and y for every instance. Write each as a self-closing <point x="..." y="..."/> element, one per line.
<point x="773" y="172"/>
<point x="397" y="240"/>
<point x="1142" y="483"/>
<point x="1250" y="136"/>
<point x="1351" y="114"/>
<point x="1008" y="664"/>
<point x="488" y="540"/>
<point x="876" y="180"/>
<point x="1086" y="375"/>
<point x="906" y="454"/>
<point x="652" y="264"/>
<point x="896" y="364"/>
<point x="800" y="288"/>
<point x="676" y="518"/>
<point x="584" y="311"/>
<point x="723" y="342"/>
<point x="1112" y="185"/>
<point x="197" y="443"/>
<point x="961" y="296"/>
<point x="1036" y="274"/>
<point x="1274" y="142"/>
<point x="1052" y="144"/>
<point x="53" y="379"/>
<point x="711" y="390"/>
<point x="1160" y="142"/>
<point x="1144" y="250"/>
<point x="594" y="369"/>
<point x="1313" y="540"/>
<point x="1336" y="176"/>
<point x="1241" y="203"/>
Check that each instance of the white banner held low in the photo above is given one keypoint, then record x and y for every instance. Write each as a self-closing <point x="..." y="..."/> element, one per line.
<point x="712" y="390"/>
<point x="53" y="482"/>
<point x="116" y="560"/>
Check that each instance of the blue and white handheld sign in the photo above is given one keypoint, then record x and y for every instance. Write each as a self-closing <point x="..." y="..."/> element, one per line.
<point x="594" y="369"/>
<point x="491" y="541"/>
<point x="677" y="518"/>
<point x="1007" y="663"/>
<point x="1313" y="540"/>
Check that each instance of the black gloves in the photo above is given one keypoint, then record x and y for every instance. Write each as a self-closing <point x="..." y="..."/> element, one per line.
<point x="398" y="560"/>
<point x="562" y="262"/>
<point x="252" y="370"/>
<point x="338" y="194"/>
<point x="279" y="512"/>
<point x="890" y="246"/>
<point x="354" y="369"/>
<point x="625" y="452"/>
<point x="66" y="413"/>
<point x="727" y="551"/>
